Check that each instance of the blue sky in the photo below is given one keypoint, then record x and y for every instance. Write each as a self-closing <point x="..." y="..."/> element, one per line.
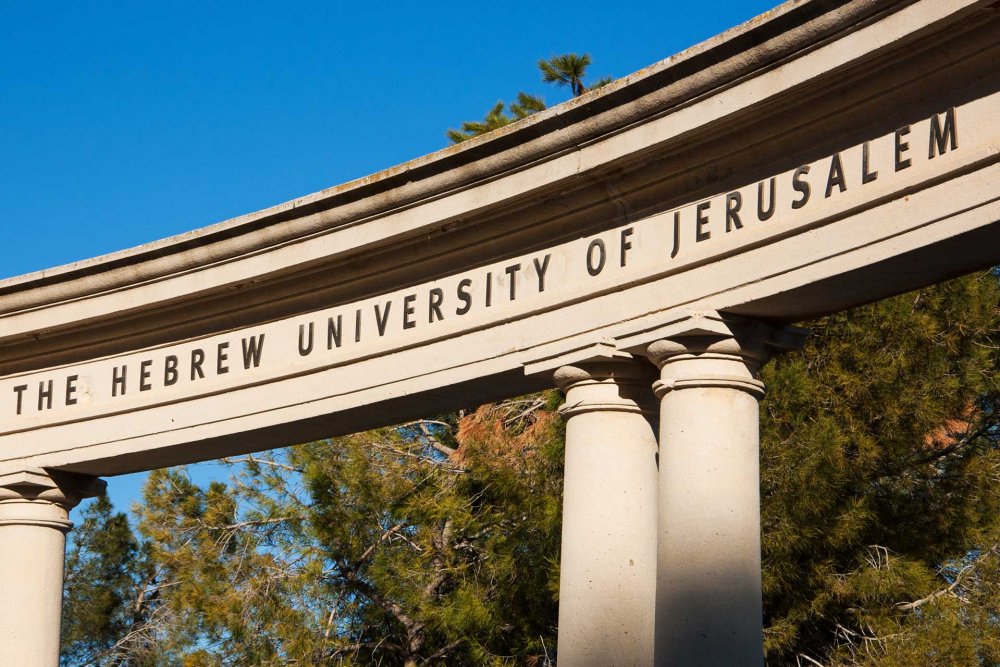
<point x="125" y="122"/>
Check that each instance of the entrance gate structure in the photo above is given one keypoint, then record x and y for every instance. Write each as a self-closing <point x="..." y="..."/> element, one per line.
<point x="643" y="247"/>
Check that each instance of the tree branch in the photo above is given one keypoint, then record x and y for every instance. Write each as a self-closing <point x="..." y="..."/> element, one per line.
<point x="255" y="522"/>
<point x="441" y="539"/>
<point x="443" y="651"/>
<point x="434" y="442"/>
<point x="250" y="459"/>
<point x="916" y="604"/>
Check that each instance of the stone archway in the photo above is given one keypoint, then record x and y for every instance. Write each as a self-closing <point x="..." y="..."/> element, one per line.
<point x="682" y="215"/>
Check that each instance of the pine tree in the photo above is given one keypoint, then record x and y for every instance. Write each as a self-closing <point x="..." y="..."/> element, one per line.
<point x="104" y="609"/>
<point x="431" y="543"/>
<point x="881" y="484"/>
<point x="566" y="70"/>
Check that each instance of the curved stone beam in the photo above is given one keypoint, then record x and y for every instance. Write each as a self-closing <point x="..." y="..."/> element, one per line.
<point x="825" y="154"/>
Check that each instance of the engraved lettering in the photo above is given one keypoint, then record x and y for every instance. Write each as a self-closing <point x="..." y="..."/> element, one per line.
<point x="541" y="269"/>
<point x="253" y="347"/>
<point x="867" y="176"/>
<point x="170" y="374"/>
<point x="677" y="235"/>
<point x="435" y="299"/>
<point x="197" y="359"/>
<point x="901" y="147"/>
<point x="463" y="294"/>
<point x="702" y="234"/>
<point x="305" y="341"/>
<point x="19" y="390"/>
<point x="942" y="136"/>
<point x="221" y="367"/>
<point x="626" y="244"/>
<point x="801" y="186"/>
<point x="766" y="213"/>
<point x="408" y="312"/>
<point x="595" y="267"/>
<point x="334" y="328"/>
<point x="734" y="201"/>
<point x="118" y="380"/>
<point x="71" y="389"/>
<point x="381" y="319"/>
<point x="511" y="272"/>
<point x="145" y="373"/>
<point x="45" y="395"/>
<point x="836" y="176"/>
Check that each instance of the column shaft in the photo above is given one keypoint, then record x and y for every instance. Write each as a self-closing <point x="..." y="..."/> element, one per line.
<point x="708" y="610"/>
<point x="34" y="511"/>
<point x="31" y="578"/>
<point x="709" y="554"/>
<point x="608" y="566"/>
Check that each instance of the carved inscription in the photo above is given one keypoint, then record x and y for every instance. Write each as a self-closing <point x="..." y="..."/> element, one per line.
<point x="486" y="296"/>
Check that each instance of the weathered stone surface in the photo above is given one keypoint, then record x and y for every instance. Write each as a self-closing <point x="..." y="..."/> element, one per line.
<point x="594" y="221"/>
<point x="34" y="519"/>
<point x="825" y="154"/>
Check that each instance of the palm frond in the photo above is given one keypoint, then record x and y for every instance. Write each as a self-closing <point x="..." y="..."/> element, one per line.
<point x="566" y="70"/>
<point x="526" y="105"/>
<point x="494" y="119"/>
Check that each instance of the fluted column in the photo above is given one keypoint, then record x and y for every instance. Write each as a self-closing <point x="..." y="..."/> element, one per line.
<point x="708" y="610"/>
<point x="608" y="566"/>
<point x="34" y="511"/>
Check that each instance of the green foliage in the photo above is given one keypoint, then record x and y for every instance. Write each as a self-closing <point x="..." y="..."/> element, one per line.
<point x="881" y="482"/>
<point x="431" y="543"/>
<point x="494" y="119"/>
<point x="497" y="117"/>
<point x="526" y="105"/>
<point x="103" y="615"/>
<point x="567" y="70"/>
<point x="600" y="83"/>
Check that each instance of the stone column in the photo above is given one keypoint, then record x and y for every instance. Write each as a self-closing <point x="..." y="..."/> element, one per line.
<point x="708" y="609"/>
<point x="34" y="510"/>
<point x="608" y="567"/>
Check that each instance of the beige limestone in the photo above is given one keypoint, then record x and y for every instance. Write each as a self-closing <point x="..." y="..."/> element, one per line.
<point x="763" y="111"/>
<point x="608" y="564"/>
<point x="708" y="607"/>
<point x="618" y="223"/>
<point x="34" y="508"/>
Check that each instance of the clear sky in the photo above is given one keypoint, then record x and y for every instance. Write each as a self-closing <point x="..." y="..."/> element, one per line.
<point x="125" y="122"/>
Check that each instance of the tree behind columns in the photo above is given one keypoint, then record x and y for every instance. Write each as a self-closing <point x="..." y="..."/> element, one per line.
<point x="110" y="597"/>
<point x="881" y="484"/>
<point x="881" y="491"/>
<point x="431" y="543"/>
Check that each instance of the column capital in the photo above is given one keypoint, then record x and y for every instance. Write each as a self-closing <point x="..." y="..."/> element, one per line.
<point x="710" y="349"/>
<point x="35" y="496"/>
<point x="617" y="384"/>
